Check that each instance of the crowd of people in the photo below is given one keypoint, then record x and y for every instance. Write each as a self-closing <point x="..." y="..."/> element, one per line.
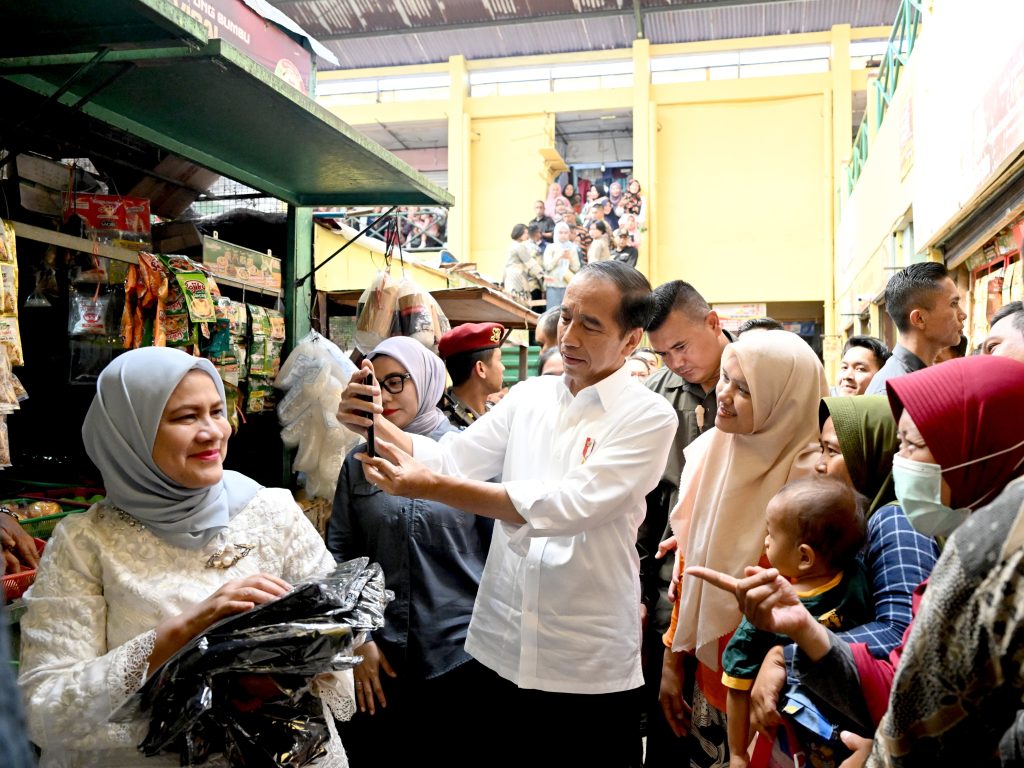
<point x="412" y="227"/>
<point x="702" y="542"/>
<point x="566" y="233"/>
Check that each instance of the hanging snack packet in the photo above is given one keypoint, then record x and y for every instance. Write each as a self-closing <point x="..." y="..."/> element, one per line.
<point x="194" y="286"/>
<point x="173" y="317"/>
<point x="10" y="337"/>
<point x="88" y="314"/>
<point x="8" y="395"/>
<point x="197" y="297"/>
<point x="7" y="243"/>
<point x="260" y="362"/>
<point x="19" y="389"/>
<point x="9" y="278"/>
<point x="220" y="349"/>
<point x="5" y="445"/>
<point x="276" y="341"/>
<point x="261" y="396"/>
<point x="232" y="398"/>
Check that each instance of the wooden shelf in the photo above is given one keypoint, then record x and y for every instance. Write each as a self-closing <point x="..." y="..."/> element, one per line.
<point x="42" y="235"/>
<point x="465" y="305"/>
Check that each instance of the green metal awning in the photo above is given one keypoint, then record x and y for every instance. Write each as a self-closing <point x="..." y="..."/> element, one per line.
<point x="147" y="68"/>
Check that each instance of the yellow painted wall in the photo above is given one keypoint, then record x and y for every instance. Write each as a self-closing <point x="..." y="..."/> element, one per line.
<point x="740" y="196"/>
<point x="506" y="177"/>
<point x="879" y="205"/>
<point x="358" y="264"/>
<point x="740" y="174"/>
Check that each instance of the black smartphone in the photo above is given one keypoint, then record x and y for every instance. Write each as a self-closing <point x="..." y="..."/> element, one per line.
<point x="369" y="432"/>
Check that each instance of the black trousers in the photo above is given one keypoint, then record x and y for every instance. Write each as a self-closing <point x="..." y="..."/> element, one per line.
<point x="436" y="722"/>
<point x="539" y="729"/>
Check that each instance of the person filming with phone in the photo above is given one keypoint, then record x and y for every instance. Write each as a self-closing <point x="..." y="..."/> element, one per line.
<point x="556" y="620"/>
<point x="415" y="676"/>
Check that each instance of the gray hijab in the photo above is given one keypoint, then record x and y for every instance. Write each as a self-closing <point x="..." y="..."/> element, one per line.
<point x="119" y="432"/>
<point x="428" y="374"/>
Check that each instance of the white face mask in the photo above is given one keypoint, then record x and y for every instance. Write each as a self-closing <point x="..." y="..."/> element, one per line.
<point x="919" y="491"/>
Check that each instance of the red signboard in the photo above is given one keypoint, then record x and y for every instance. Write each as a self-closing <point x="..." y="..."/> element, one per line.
<point x="261" y="40"/>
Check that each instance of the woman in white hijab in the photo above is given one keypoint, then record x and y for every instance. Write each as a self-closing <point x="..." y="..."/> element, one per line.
<point x="766" y="433"/>
<point x="178" y="544"/>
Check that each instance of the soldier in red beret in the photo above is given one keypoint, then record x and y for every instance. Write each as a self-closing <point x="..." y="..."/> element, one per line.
<point x="472" y="354"/>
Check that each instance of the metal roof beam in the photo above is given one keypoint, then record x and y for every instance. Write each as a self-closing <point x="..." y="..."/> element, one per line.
<point x="521" y="20"/>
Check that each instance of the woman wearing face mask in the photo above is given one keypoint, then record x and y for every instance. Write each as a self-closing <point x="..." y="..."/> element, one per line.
<point x="957" y="681"/>
<point x="858" y="440"/>
<point x="178" y="544"/>
<point x="766" y="435"/>
<point x="415" y="676"/>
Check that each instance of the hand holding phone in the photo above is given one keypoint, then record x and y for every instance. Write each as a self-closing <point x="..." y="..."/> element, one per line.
<point x="368" y="381"/>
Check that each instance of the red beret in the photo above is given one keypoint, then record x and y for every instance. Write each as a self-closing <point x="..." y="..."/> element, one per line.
<point x="471" y="337"/>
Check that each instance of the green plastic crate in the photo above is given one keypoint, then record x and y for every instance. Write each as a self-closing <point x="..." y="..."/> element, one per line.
<point x="42" y="527"/>
<point x="510" y="359"/>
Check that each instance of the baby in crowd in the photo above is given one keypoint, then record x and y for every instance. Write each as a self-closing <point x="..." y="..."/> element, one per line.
<point x="815" y="531"/>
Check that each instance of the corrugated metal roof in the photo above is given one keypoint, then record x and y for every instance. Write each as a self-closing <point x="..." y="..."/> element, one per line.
<point x="369" y="33"/>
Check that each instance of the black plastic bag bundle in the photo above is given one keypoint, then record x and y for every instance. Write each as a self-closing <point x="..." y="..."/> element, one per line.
<point x="242" y="687"/>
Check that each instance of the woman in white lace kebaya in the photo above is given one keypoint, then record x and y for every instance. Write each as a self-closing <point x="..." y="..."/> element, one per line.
<point x="177" y="544"/>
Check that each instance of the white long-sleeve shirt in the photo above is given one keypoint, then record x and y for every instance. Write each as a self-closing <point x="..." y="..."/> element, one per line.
<point x="558" y="605"/>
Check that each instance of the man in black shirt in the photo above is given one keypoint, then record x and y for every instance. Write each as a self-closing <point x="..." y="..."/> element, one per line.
<point x="545" y="222"/>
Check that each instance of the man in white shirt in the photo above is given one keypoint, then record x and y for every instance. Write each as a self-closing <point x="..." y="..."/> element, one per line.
<point x="557" y="614"/>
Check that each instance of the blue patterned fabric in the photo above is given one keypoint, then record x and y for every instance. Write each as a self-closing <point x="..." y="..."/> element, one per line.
<point x="897" y="559"/>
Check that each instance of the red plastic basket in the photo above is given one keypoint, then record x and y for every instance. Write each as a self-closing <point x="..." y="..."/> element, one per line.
<point x="15" y="584"/>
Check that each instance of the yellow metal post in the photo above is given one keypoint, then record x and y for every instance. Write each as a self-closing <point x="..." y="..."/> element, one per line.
<point x="644" y="147"/>
<point x="838" y="121"/>
<point x="458" y="159"/>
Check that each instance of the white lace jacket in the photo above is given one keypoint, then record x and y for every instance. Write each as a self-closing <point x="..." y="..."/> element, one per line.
<point x="103" y="585"/>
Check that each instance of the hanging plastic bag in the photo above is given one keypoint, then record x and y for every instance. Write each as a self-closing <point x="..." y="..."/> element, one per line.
<point x="439" y="320"/>
<point x="209" y="698"/>
<point x="88" y="314"/>
<point x="377" y="313"/>
<point x="414" y="318"/>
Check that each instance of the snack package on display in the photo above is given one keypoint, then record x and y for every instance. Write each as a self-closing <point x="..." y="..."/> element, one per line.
<point x="194" y="286"/>
<point x="260" y="396"/>
<point x="114" y="219"/>
<point x="9" y="280"/>
<point x="19" y="389"/>
<point x="244" y="688"/>
<point x="87" y="315"/>
<point x="276" y="340"/>
<point x="261" y="330"/>
<point x="232" y="398"/>
<point x="7" y="243"/>
<point x="5" y="445"/>
<point x="10" y="338"/>
<point x="9" y="384"/>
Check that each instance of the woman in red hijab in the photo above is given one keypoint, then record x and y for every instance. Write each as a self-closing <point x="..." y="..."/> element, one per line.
<point x="952" y="690"/>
